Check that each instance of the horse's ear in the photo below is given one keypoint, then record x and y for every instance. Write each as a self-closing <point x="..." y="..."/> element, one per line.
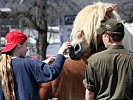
<point x="111" y="8"/>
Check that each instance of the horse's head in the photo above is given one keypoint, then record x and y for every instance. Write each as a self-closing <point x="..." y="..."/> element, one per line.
<point x="85" y="39"/>
<point x="79" y="44"/>
<point x="81" y="49"/>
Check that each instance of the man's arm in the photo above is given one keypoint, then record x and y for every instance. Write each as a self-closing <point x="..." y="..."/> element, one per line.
<point x="89" y="95"/>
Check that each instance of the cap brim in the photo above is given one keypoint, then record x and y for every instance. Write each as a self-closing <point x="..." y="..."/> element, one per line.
<point x="8" y="48"/>
<point x="100" y="31"/>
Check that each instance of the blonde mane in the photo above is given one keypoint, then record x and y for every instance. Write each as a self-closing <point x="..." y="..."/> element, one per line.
<point x="89" y="19"/>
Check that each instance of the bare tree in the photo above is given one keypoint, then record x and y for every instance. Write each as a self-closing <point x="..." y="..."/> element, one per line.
<point x="33" y="13"/>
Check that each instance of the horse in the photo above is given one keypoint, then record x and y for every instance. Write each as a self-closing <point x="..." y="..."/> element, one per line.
<point x="85" y="42"/>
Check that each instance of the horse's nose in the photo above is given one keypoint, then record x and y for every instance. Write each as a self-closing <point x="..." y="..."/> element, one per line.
<point x="77" y="48"/>
<point x="75" y="52"/>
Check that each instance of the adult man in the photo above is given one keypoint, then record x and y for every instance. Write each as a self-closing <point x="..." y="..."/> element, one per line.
<point x="109" y="74"/>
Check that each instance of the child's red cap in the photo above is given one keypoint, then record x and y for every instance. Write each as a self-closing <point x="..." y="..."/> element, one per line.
<point x="12" y="39"/>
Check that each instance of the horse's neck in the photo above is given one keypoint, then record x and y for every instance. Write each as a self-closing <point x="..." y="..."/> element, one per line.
<point x="85" y="61"/>
<point x="86" y="56"/>
<point x="91" y="52"/>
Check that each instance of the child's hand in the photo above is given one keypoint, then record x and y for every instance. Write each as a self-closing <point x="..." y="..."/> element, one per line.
<point x="65" y="46"/>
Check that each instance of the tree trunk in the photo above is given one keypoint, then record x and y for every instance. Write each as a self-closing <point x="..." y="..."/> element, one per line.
<point x="42" y="44"/>
<point x="42" y="28"/>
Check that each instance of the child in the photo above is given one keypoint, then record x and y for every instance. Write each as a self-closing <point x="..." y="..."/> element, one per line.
<point x="20" y="76"/>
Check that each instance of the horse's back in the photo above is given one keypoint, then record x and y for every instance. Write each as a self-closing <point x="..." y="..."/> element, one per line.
<point x="68" y="86"/>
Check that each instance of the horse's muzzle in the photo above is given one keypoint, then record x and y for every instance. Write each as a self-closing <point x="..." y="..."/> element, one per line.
<point x="76" y="52"/>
